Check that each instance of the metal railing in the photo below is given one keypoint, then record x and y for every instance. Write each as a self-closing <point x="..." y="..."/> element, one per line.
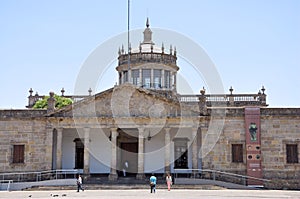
<point x="8" y="182"/>
<point x="39" y="176"/>
<point x="216" y="175"/>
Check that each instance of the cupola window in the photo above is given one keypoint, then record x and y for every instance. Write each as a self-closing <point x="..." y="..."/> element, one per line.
<point x="167" y="79"/>
<point x="146" y="78"/>
<point x="135" y="77"/>
<point x="157" y="79"/>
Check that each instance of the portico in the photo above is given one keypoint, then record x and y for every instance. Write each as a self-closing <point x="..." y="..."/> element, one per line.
<point x="105" y="150"/>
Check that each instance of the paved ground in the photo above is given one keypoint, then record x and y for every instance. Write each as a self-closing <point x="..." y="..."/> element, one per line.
<point x="160" y="194"/>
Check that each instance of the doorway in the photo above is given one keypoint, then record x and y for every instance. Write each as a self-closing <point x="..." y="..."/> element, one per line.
<point x="128" y="154"/>
<point x="129" y="158"/>
<point x="79" y="153"/>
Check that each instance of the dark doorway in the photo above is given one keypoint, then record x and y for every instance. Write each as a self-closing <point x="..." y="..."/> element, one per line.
<point x="129" y="158"/>
<point x="54" y="149"/>
<point x="79" y="153"/>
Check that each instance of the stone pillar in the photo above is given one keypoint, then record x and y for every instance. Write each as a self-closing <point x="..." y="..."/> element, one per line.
<point x="167" y="150"/>
<point x="171" y="81"/>
<point x="152" y="79"/>
<point x="120" y="78"/>
<point x="113" y="176"/>
<point x="175" y="82"/>
<point x="51" y="103"/>
<point x="205" y="149"/>
<point x="163" y="79"/>
<point x="129" y="77"/>
<point x="202" y="102"/>
<point x="86" y="166"/>
<point x="141" y="78"/>
<point x="48" y="144"/>
<point x="59" y="149"/>
<point x="140" y="175"/>
<point x="195" y="150"/>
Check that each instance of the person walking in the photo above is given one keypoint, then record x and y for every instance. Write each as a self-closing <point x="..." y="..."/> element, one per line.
<point x="79" y="183"/>
<point x="169" y="181"/>
<point x="152" y="184"/>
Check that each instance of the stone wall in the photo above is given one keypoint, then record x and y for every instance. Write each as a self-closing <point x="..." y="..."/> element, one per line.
<point x="278" y="128"/>
<point x="277" y="131"/>
<point x="220" y="157"/>
<point x="30" y="132"/>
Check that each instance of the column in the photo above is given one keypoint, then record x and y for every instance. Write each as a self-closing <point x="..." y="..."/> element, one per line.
<point x="141" y="78"/>
<point x="167" y="150"/>
<point x="151" y="79"/>
<point x="59" y="149"/>
<point x="175" y="81"/>
<point x="171" y="81"/>
<point x="205" y="149"/>
<point x="129" y="77"/>
<point x="113" y="176"/>
<point x="49" y="148"/>
<point x="120" y="78"/>
<point x="163" y="79"/>
<point x="195" y="149"/>
<point x="140" y="175"/>
<point x="86" y="165"/>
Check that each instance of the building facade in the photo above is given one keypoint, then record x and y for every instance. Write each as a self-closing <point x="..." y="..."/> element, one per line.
<point x="143" y="125"/>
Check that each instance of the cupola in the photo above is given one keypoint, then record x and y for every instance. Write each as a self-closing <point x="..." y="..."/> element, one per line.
<point x="148" y="65"/>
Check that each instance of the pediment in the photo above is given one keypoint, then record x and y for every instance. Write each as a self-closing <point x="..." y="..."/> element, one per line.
<point x="125" y="100"/>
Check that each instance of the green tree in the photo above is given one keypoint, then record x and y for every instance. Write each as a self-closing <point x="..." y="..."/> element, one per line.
<point x="60" y="102"/>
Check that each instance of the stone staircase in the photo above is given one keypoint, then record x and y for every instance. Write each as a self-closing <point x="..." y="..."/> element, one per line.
<point x="102" y="182"/>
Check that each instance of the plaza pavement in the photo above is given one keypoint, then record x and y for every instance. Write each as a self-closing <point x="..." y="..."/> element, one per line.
<point x="160" y="194"/>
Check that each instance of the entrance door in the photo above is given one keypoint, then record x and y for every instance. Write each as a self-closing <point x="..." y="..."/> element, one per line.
<point x="129" y="154"/>
<point x="79" y="153"/>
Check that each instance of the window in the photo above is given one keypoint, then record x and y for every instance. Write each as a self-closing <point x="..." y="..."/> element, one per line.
<point x="135" y="77"/>
<point x="292" y="153"/>
<point x="167" y="79"/>
<point x="181" y="154"/>
<point x="157" y="79"/>
<point x="237" y="152"/>
<point x="125" y="76"/>
<point x="146" y="73"/>
<point x="18" y="153"/>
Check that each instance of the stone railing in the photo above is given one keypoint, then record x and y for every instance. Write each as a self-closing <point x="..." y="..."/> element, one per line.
<point x="32" y="99"/>
<point x="203" y="100"/>
<point x="226" y="99"/>
<point x="147" y="57"/>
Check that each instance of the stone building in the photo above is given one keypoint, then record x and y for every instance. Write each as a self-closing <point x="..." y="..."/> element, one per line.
<point x="145" y="124"/>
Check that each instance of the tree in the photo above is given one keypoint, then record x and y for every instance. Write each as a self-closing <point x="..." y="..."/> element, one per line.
<point x="60" y="102"/>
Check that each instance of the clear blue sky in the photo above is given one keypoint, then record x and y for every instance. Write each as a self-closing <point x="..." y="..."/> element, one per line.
<point x="43" y="44"/>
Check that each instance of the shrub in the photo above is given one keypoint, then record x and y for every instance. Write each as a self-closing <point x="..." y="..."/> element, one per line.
<point x="60" y="102"/>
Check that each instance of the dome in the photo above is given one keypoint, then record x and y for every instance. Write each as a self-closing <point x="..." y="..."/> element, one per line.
<point x="148" y="65"/>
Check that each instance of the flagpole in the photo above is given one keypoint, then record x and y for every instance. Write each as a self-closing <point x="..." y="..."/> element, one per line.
<point x="128" y="35"/>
